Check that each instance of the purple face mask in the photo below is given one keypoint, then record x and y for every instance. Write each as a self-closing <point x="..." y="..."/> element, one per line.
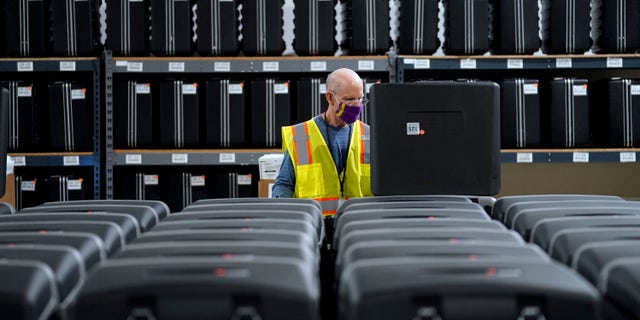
<point x="349" y="114"/>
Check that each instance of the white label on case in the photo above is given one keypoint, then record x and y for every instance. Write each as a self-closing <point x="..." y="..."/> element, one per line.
<point x="635" y="90"/>
<point x="222" y="66"/>
<point x="524" y="157"/>
<point x="515" y="64"/>
<point x="627" y="157"/>
<point x="197" y="181"/>
<point x="318" y="66"/>
<point x="25" y="66"/>
<point x="235" y="88"/>
<point x="28" y="185"/>
<point x="467" y="63"/>
<point x="179" y="158"/>
<point x="71" y="161"/>
<point x="579" y="90"/>
<point x="191" y="88"/>
<point x="19" y="161"/>
<point x="366" y="65"/>
<point x="323" y="88"/>
<point x="227" y="158"/>
<point x="150" y="179"/>
<point x="135" y="67"/>
<point x="614" y="62"/>
<point x="78" y="94"/>
<point x="530" y="88"/>
<point x="67" y="66"/>
<point x="367" y="87"/>
<point x="271" y="66"/>
<point x="74" y="184"/>
<point x="580" y="157"/>
<point x="133" y="159"/>
<point x="281" y="88"/>
<point x="413" y="128"/>
<point x="564" y="63"/>
<point x="143" y="88"/>
<point x="422" y="64"/>
<point x="24" y="91"/>
<point x="176" y="66"/>
<point x="244" y="179"/>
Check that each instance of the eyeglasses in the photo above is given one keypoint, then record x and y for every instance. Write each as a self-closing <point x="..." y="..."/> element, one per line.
<point x="352" y="101"/>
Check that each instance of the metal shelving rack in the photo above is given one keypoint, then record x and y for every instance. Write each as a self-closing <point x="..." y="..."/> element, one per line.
<point x="33" y="66"/>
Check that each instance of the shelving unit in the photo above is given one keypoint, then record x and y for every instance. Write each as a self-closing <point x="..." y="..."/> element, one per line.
<point x="62" y="68"/>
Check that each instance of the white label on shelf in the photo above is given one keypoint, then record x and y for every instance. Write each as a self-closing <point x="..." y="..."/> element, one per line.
<point x="281" y="88"/>
<point x="409" y="60"/>
<point x="413" y="128"/>
<point x="75" y="184"/>
<point x="197" y="181"/>
<point x="581" y="157"/>
<point x="133" y="159"/>
<point x="530" y="88"/>
<point x="135" y="67"/>
<point x="564" y="63"/>
<point x="524" y="157"/>
<point x="227" y="157"/>
<point x="318" y="66"/>
<point x="580" y="90"/>
<point x="78" y="94"/>
<point x="515" y="64"/>
<point x="614" y="62"/>
<point x="422" y="64"/>
<point x="28" y="185"/>
<point x="467" y="63"/>
<point x="179" y="158"/>
<point x="270" y="66"/>
<point x="70" y="160"/>
<point x="323" y="88"/>
<point x="24" y="91"/>
<point x="627" y="157"/>
<point x="222" y="66"/>
<point x="67" y="66"/>
<point x="143" y="88"/>
<point x="19" y="161"/>
<point x="176" y="66"/>
<point x="190" y="88"/>
<point x="150" y="179"/>
<point x="635" y="90"/>
<point x="235" y="88"/>
<point x="25" y="66"/>
<point x="244" y="179"/>
<point x="121" y="63"/>
<point x="366" y="65"/>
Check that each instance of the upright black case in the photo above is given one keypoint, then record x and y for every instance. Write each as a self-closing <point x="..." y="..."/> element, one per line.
<point x="128" y="27"/>
<point x="520" y="113"/>
<point x="515" y="26"/>
<point x="24" y="28"/>
<point x="622" y="117"/>
<point x="225" y="113"/>
<point x="217" y="27"/>
<point x="231" y="185"/>
<point x="618" y="27"/>
<point x="22" y="116"/>
<point x="367" y="26"/>
<point x="569" y="113"/>
<point x="179" y="114"/>
<point x="70" y="117"/>
<point x="179" y="190"/>
<point x="73" y="29"/>
<point x="27" y="191"/>
<point x="270" y="111"/>
<point x="138" y="186"/>
<point x="171" y="30"/>
<point x="314" y="27"/>
<point x="466" y="26"/>
<point x="565" y="26"/>
<point x="311" y="98"/>
<point x="133" y="112"/>
<point x="262" y="27"/>
<point x="418" y="27"/>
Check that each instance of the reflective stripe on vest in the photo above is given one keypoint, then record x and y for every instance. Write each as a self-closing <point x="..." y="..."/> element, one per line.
<point x="365" y="155"/>
<point x="329" y="206"/>
<point x="302" y="143"/>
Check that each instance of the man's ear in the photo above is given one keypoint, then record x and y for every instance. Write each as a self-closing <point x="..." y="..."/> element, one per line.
<point x="327" y="95"/>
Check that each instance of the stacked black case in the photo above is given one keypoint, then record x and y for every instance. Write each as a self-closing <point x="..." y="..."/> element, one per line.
<point x="311" y="98"/>
<point x="181" y="189"/>
<point x="368" y="26"/>
<point x="24" y="28"/>
<point x="270" y="111"/>
<point x="138" y="186"/>
<point x="127" y="27"/>
<point x="133" y="112"/>
<point x="569" y="113"/>
<point x="22" y="116"/>
<point x="225" y="113"/>
<point x="171" y="30"/>
<point x="520" y="113"/>
<point x="231" y="185"/>
<point x="466" y="26"/>
<point x="179" y="114"/>
<point x="418" y="27"/>
<point x="618" y="29"/>
<point x="217" y="27"/>
<point x="565" y="26"/>
<point x="314" y="27"/>
<point x="27" y="191"/>
<point x="623" y="113"/>
<point x="70" y="111"/>
<point x="262" y="27"/>
<point x="72" y="25"/>
<point x="515" y="26"/>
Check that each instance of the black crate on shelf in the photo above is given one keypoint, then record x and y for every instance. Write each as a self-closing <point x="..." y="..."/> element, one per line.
<point x="70" y="111"/>
<point x="569" y="113"/>
<point x="565" y="26"/>
<point x="73" y="27"/>
<point x="231" y="185"/>
<point x="418" y="27"/>
<point x="179" y="114"/>
<point x="133" y="114"/>
<point x="367" y="23"/>
<point x="24" y="28"/>
<point x="311" y="98"/>
<point x="622" y="118"/>
<point x="515" y="27"/>
<point x="127" y="27"/>
<point x="179" y="190"/>
<point x="314" y="27"/>
<point x="217" y="27"/>
<point x="520" y="113"/>
<point x="466" y="24"/>
<point x="27" y="189"/>
<point x="137" y="186"/>
<point x="270" y="111"/>
<point x="22" y="116"/>
<point x="262" y="27"/>
<point x="225" y="113"/>
<point x="618" y="28"/>
<point x="171" y="28"/>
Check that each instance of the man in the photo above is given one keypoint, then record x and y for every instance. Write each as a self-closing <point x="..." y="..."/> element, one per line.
<point x="327" y="158"/>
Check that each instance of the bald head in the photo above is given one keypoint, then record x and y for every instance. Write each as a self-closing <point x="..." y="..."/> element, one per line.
<point x="342" y="80"/>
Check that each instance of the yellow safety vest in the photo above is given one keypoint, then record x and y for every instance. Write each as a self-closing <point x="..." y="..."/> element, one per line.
<point x="316" y="173"/>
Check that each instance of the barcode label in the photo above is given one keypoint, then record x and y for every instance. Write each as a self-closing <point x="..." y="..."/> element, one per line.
<point x="179" y="158"/>
<point x="67" y="66"/>
<point x="227" y="158"/>
<point x="271" y="66"/>
<point x="524" y="157"/>
<point x="71" y="161"/>
<point x="223" y="66"/>
<point x="580" y="157"/>
<point x="25" y="66"/>
<point x="318" y="66"/>
<point x="135" y="67"/>
<point x="176" y="66"/>
<point x="133" y="159"/>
